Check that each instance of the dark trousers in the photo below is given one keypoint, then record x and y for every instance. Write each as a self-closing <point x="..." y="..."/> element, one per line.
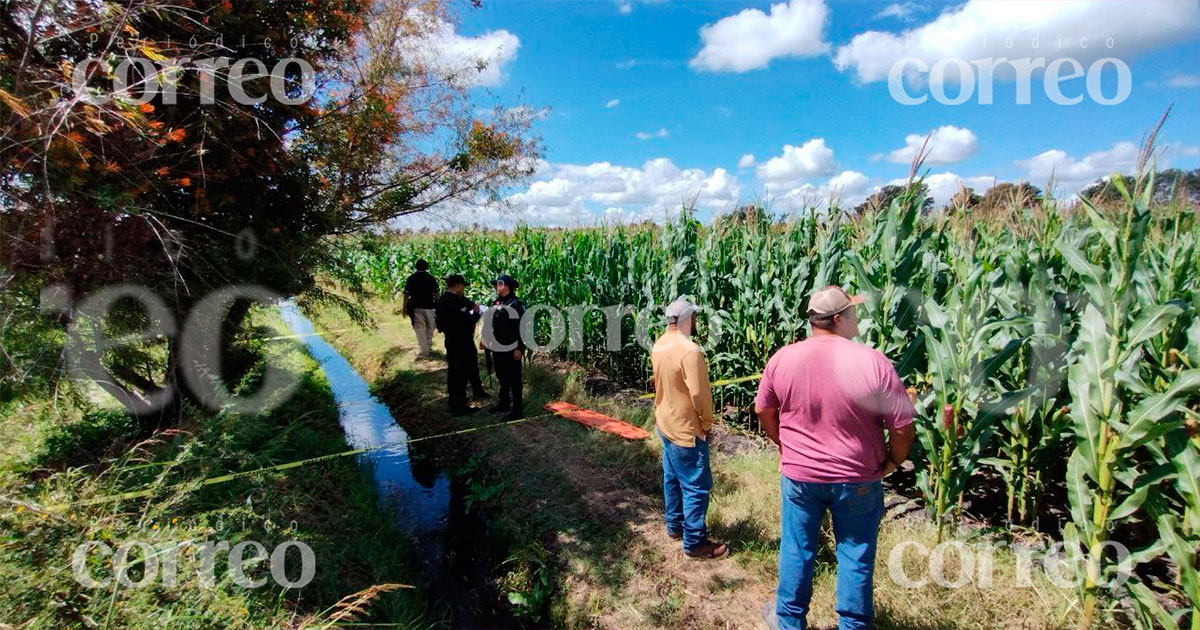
<point x="508" y="372"/>
<point x="462" y="369"/>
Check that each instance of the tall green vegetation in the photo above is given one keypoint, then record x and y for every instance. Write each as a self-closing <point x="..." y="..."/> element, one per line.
<point x="1124" y="395"/>
<point x="1041" y="344"/>
<point x="964" y="354"/>
<point x="1032" y="433"/>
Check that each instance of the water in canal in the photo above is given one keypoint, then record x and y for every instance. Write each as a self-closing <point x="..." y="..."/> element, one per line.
<point x="446" y="541"/>
<point x="420" y="509"/>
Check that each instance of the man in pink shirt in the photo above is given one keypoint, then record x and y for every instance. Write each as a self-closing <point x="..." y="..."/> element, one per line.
<point x="826" y="402"/>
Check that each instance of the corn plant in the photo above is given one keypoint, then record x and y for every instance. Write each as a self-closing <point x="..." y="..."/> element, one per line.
<point x="1031" y="435"/>
<point x="964" y="356"/>
<point x="1113" y="410"/>
<point x="1179" y="536"/>
<point x="763" y="273"/>
<point x="894" y="267"/>
<point x="1177" y="515"/>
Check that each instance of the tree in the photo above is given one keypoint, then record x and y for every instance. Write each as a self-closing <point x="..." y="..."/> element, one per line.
<point x="1009" y="196"/>
<point x="749" y="214"/>
<point x="1168" y="184"/>
<point x="884" y="196"/>
<point x="175" y="184"/>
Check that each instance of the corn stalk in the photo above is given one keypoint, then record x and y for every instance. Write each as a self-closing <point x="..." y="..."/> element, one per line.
<point x="1113" y="412"/>
<point x="965" y="354"/>
<point x="1032" y="434"/>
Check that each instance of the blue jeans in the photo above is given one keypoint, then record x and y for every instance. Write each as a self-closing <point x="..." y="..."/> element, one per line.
<point x="856" y="509"/>
<point x="687" y="480"/>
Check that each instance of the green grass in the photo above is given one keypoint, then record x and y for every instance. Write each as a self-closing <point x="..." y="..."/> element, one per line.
<point x="59" y="450"/>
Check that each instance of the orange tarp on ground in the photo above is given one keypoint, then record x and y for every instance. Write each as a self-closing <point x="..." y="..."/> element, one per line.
<point x="597" y="420"/>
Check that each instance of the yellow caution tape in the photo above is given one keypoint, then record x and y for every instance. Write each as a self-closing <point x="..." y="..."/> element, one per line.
<point x="137" y="494"/>
<point x="145" y="492"/>
<point x="721" y="383"/>
<point x="327" y="332"/>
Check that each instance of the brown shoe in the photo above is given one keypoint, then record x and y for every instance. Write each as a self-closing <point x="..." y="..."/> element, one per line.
<point x="675" y="535"/>
<point x="708" y="550"/>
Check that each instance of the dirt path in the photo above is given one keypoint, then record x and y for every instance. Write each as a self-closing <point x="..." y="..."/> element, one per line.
<point x="594" y="501"/>
<point x="659" y="586"/>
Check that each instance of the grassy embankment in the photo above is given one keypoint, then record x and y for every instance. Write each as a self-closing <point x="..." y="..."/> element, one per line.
<point x="57" y="447"/>
<point x="573" y="520"/>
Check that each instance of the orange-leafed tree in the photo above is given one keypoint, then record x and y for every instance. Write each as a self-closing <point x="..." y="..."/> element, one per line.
<point x="125" y="159"/>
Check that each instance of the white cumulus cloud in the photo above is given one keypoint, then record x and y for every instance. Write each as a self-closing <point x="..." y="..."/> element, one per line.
<point x="750" y="39"/>
<point x="469" y="61"/>
<point x="845" y="190"/>
<point x="848" y="187"/>
<point x="980" y="29"/>
<point x="746" y="161"/>
<point x="1073" y="174"/>
<point x="943" y="186"/>
<point x="796" y="165"/>
<point x="849" y="181"/>
<point x="947" y="144"/>
<point x="613" y="103"/>
<point x="576" y="193"/>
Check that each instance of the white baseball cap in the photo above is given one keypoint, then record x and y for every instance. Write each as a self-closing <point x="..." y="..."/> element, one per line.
<point x="832" y="300"/>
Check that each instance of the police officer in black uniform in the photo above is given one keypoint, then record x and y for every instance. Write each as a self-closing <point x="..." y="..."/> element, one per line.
<point x="456" y="319"/>
<point x="507" y="347"/>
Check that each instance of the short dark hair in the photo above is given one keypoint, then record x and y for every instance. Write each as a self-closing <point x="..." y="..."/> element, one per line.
<point x="422" y="265"/>
<point x="824" y="323"/>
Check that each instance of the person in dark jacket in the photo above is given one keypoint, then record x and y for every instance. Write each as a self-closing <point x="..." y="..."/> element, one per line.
<point x="420" y="292"/>
<point x="507" y="347"/>
<point x="456" y="319"/>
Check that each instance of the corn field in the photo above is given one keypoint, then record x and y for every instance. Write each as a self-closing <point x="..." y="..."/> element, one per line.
<point x="1054" y="354"/>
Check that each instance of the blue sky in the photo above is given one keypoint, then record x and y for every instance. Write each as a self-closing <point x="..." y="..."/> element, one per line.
<point x="651" y="102"/>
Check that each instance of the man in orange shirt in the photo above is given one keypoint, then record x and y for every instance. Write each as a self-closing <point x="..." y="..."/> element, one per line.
<point x="683" y="411"/>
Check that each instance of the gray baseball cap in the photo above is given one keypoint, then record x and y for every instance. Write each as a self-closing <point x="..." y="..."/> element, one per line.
<point x="680" y="309"/>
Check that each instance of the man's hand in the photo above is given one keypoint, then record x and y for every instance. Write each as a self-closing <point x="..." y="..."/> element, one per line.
<point x="517" y="354"/>
<point x="768" y="419"/>
<point x="888" y="468"/>
<point x="900" y="443"/>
